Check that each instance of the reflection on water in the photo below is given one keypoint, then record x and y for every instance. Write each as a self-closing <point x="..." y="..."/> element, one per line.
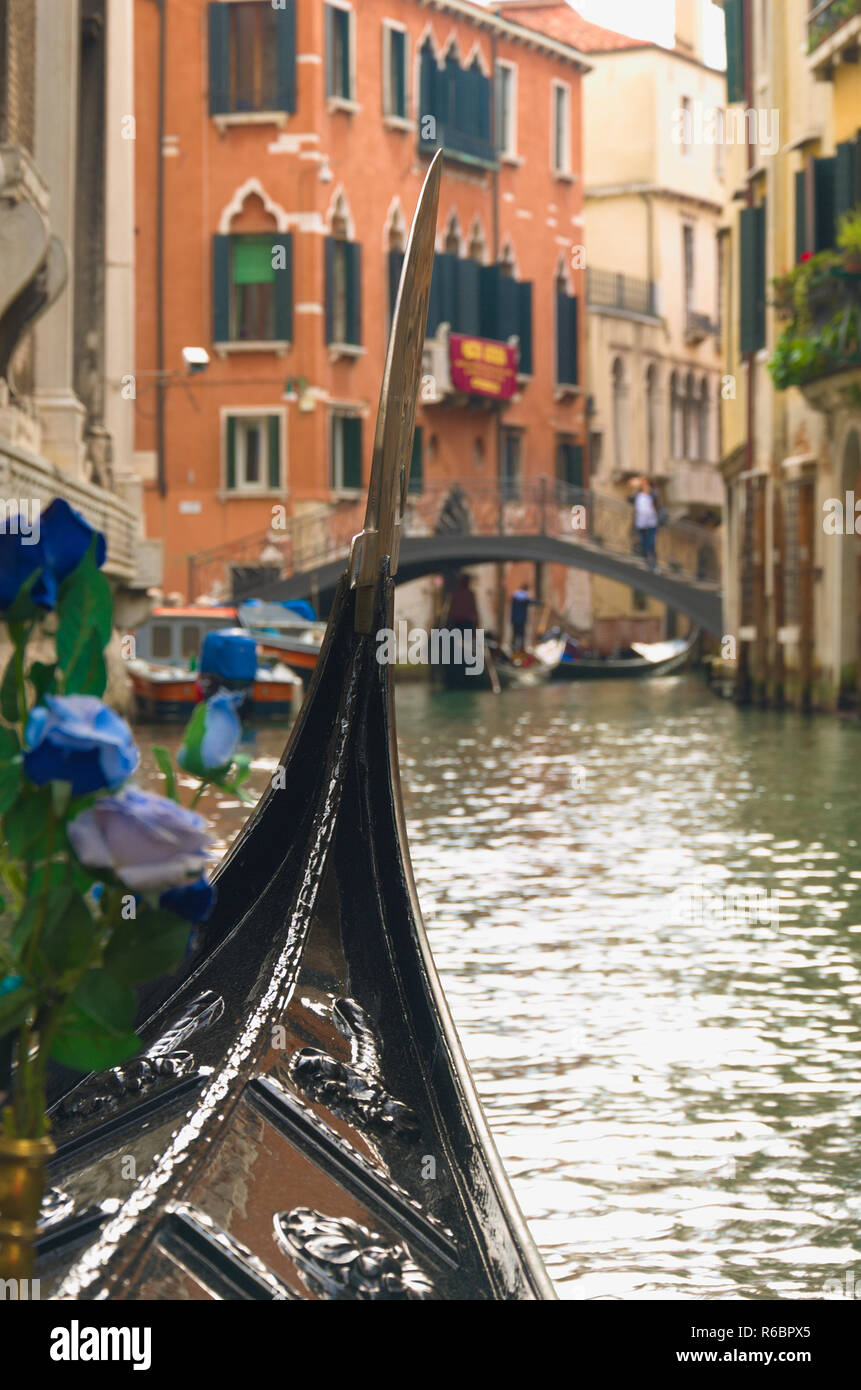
<point x="678" y="1103"/>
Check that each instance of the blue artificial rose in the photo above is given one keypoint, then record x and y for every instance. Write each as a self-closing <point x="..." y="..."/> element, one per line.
<point x="55" y="547"/>
<point x="213" y="732"/>
<point x="146" y="840"/>
<point x="9" y="983"/>
<point x="194" y="901"/>
<point x="78" y="739"/>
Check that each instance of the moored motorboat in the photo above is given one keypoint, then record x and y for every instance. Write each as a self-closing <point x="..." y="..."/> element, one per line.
<point x="300" y="1119"/>
<point x="283" y="635"/>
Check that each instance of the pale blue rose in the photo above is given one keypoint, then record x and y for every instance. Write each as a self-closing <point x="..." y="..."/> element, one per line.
<point x="212" y="735"/>
<point x="146" y="840"/>
<point x="78" y="739"/>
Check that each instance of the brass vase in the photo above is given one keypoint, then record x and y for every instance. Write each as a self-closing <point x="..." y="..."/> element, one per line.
<point x="22" y="1182"/>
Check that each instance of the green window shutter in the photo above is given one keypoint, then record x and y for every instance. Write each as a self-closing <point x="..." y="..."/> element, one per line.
<point x="489" y="280"/>
<point x="468" y="297"/>
<point x="734" y="14"/>
<point x="219" y="59"/>
<point x="274" y="424"/>
<point x="352" y="427"/>
<point x="415" y="483"/>
<point x="354" y="292"/>
<point x="509" y="308"/>
<point x="230" y="461"/>
<point x="752" y="282"/>
<point x="566" y="339"/>
<point x="445" y="266"/>
<point x="286" y="57"/>
<point x="800" y="215"/>
<point x="283" y="287"/>
<point x="844" y="181"/>
<point x="524" y="294"/>
<point x="221" y="288"/>
<point x="575" y="465"/>
<point x="346" y="32"/>
<point x="331" y="86"/>
<point x="427" y="82"/>
<point x="330" y="289"/>
<point x="396" y="262"/>
<point x="825" y="180"/>
<point x="252" y="261"/>
<point x="574" y="311"/>
<point x="398" y="73"/>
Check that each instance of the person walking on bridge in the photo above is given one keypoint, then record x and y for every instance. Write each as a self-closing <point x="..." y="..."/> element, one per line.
<point x="645" y="502"/>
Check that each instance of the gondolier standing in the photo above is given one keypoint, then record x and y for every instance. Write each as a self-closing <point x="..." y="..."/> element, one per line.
<point x="520" y="603"/>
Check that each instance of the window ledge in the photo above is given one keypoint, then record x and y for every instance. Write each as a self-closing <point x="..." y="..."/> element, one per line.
<point x="228" y="118"/>
<point x="564" y="390"/>
<point x="280" y="346"/>
<point x="564" y="176"/>
<point x="346" y="494"/>
<point x="350" y="350"/>
<point x="346" y="104"/>
<point x="251" y="494"/>
<point x="508" y="157"/>
<point x="399" y="123"/>
<point x="524" y="378"/>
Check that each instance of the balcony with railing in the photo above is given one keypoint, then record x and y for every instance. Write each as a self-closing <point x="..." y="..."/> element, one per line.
<point x="833" y="34"/>
<point x="625" y="294"/>
<point x="698" y="327"/>
<point x="819" y="300"/>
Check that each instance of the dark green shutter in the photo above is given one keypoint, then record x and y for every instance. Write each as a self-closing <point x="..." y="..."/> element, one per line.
<point x="566" y="339"/>
<point x="354" y="292"/>
<point x="231" y="452"/>
<point x="397" y="73"/>
<point x="415" y="483"/>
<point x="344" y="21"/>
<point x="219" y="59"/>
<point x="352" y="427"/>
<point x="443" y="292"/>
<point x="221" y="289"/>
<point x="735" y="75"/>
<point x="800" y="215"/>
<point x="274" y="452"/>
<point x="569" y="467"/>
<point x="330" y="288"/>
<point x="286" y="58"/>
<point x="284" y="289"/>
<point x="825" y="179"/>
<point x="524" y="295"/>
<point x="509" y="309"/>
<point x="396" y="262"/>
<point x="330" y="51"/>
<point x="752" y="284"/>
<point x="468" y="308"/>
<point x="489" y="278"/>
<point x="845" y="195"/>
<point x="574" y="311"/>
<point x="427" y="85"/>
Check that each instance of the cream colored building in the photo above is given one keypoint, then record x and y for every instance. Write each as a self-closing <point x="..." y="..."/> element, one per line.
<point x="792" y="588"/>
<point x="67" y="382"/>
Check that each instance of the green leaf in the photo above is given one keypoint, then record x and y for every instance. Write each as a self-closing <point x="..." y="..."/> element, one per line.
<point x="151" y="944"/>
<point x="14" y="1008"/>
<point x="42" y="679"/>
<point x="106" y="1001"/>
<point x="68" y="932"/>
<point x="95" y="1030"/>
<point x="85" y="611"/>
<point x="189" y="757"/>
<point x="26" y="825"/>
<point x="9" y="693"/>
<point x="165" y="767"/>
<point x="241" y="769"/>
<point x="11" y="770"/>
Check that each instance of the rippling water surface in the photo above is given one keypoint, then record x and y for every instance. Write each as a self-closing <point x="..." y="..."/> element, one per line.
<point x="675" y="1092"/>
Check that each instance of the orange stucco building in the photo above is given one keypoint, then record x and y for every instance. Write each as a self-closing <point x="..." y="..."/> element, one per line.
<point x="280" y="149"/>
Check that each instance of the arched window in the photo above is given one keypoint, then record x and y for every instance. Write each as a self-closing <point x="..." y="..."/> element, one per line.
<point x="704" y="451"/>
<point x="477" y="244"/>
<point x="452" y="236"/>
<point x="677" y="420"/>
<point x="620" y="417"/>
<point x="652" y="419"/>
<point x="691" y="411"/>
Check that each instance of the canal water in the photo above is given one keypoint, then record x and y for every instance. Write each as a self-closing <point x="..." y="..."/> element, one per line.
<point x="645" y="905"/>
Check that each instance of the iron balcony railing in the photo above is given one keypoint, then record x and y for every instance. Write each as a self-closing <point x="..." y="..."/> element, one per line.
<point x="825" y="17"/>
<point x="462" y="144"/>
<point x="610" y="290"/>
<point x="509" y="507"/>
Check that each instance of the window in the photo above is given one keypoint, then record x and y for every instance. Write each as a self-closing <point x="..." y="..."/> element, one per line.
<point x="753" y="286"/>
<point x="511" y="463"/>
<point x="189" y="639"/>
<point x="689" y="264"/>
<point x="454" y="107"/>
<point x="416" y="480"/>
<point x="566" y="335"/>
<point x="687" y="128"/>
<point x="343" y="292"/>
<point x="345" y="452"/>
<point x="704" y="451"/>
<point x="506" y="109"/>
<point x="395" y="68"/>
<point x="253" y="445"/>
<point x="561" y="128"/>
<point x="620" y="418"/>
<point x="569" y="461"/>
<point x="720" y="121"/>
<point x="652" y="419"/>
<point x="252" y="57"/>
<point x="691" y="419"/>
<point x="162" y="646"/>
<point x="339" y="59"/>
<point x="677" y="418"/>
<point x="253" y="289"/>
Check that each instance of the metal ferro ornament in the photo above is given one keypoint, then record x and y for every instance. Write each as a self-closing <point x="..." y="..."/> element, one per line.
<point x="396" y="417"/>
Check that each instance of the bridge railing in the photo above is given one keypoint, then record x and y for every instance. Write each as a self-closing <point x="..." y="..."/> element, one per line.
<point x="321" y="535"/>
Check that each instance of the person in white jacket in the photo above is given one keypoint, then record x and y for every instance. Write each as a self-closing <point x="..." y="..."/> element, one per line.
<point x="646" y="520"/>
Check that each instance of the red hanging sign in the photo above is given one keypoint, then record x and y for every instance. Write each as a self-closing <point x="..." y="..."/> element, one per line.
<point x="480" y="367"/>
